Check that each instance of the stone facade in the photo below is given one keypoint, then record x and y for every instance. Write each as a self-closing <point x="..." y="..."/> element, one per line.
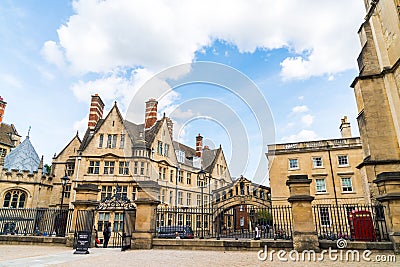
<point x="330" y="164"/>
<point x="377" y="90"/>
<point x="120" y="156"/>
<point x="23" y="181"/>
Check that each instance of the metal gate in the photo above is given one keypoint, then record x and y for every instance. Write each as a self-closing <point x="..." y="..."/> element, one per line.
<point x="84" y="222"/>
<point x="120" y="211"/>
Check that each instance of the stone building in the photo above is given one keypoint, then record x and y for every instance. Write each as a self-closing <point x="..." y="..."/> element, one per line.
<point x="9" y="137"/>
<point x="122" y="157"/>
<point x="377" y="90"/>
<point x="23" y="181"/>
<point x="330" y="164"/>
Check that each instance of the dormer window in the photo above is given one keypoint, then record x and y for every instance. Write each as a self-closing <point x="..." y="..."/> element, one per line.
<point x="160" y="148"/>
<point x="122" y="143"/>
<point x="111" y="141"/>
<point x="101" y="139"/>
<point x="180" y="156"/>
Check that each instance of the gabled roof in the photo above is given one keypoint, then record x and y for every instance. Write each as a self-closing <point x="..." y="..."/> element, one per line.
<point x="75" y="137"/>
<point x="22" y="158"/>
<point x="5" y="134"/>
<point x="151" y="133"/>
<point x="89" y="135"/>
<point x="209" y="158"/>
<point x="189" y="152"/>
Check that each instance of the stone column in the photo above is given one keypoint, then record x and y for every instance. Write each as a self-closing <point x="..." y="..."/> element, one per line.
<point x="145" y="221"/>
<point x="389" y="195"/>
<point x="86" y="200"/>
<point x="304" y="234"/>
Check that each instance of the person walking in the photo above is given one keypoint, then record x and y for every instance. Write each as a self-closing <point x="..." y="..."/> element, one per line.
<point x="107" y="234"/>
<point x="258" y="234"/>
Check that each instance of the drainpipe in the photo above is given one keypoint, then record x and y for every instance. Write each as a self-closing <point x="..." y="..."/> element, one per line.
<point x="77" y="173"/>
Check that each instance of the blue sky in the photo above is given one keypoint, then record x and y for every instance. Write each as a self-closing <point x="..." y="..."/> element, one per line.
<point x="300" y="54"/>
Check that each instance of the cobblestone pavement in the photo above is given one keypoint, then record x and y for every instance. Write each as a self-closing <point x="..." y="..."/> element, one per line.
<point x="62" y="256"/>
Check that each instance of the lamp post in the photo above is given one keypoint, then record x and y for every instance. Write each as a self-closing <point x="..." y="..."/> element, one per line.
<point x="201" y="175"/>
<point x="64" y="181"/>
<point x="61" y="223"/>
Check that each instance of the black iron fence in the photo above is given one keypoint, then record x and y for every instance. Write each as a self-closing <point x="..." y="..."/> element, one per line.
<point x="37" y="221"/>
<point x="234" y="222"/>
<point x="351" y="221"/>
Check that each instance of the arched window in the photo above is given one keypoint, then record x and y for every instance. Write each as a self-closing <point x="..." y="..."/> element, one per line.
<point x="14" y="199"/>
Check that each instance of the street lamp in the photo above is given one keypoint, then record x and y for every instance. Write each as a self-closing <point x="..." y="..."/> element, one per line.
<point x="61" y="222"/>
<point x="64" y="181"/>
<point x="201" y="176"/>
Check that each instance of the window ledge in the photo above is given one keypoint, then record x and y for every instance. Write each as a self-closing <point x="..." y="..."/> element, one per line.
<point x="349" y="192"/>
<point x="321" y="193"/>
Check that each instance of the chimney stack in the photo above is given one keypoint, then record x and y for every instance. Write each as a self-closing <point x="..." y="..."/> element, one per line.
<point x="96" y="111"/>
<point x="199" y="145"/>
<point x="170" y="126"/>
<point x="345" y="128"/>
<point x="151" y="113"/>
<point x="2" y="108"/>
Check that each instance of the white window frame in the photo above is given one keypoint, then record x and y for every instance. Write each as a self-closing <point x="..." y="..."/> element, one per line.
<point x="347" y="186"/>
<point x="317" y="185"/>
<point x="340" y="161"/>
<point x="291" y="166"/>
<point x="317" y="160"/>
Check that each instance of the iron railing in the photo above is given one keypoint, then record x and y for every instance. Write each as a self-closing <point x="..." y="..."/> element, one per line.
<point x="351" y="221"/>
<point x="35" y="221"/>
<point x="235" y="222"/>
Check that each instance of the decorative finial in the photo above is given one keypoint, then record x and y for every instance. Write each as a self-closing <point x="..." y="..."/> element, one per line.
<point x="29" y="131"/>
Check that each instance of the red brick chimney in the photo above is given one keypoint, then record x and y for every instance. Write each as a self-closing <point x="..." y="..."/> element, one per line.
<point x="151" y="113"/>
<point x="199" y="145"/>
<point x="2" y="108"/>
<point x="96" y="111"/>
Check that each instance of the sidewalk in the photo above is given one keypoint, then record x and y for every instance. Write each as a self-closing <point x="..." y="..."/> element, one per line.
<point x="62" y="256"/>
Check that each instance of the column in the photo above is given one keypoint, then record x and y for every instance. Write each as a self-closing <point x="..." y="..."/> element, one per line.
<point x="388" y="184"/>
<point x="304" y="234"/>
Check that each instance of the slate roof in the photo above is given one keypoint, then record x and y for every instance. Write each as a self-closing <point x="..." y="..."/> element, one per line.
<point x="209" y="157"/>
<point x="22" y="158"/>
<point x="5" y="134"/>
<point x="147" y="138"/>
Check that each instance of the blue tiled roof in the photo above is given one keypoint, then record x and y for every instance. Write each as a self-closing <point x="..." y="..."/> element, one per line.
<point x="22" y="158"/>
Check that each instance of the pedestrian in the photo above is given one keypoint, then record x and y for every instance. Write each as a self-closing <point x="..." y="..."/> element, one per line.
<point x="257" y="232"/>
<point x="96" y="238"/>
<point x="177" y="235"/>
<point x="107" y="234"/>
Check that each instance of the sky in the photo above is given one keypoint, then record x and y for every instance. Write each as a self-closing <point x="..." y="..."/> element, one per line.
<point x="244" y="74"/>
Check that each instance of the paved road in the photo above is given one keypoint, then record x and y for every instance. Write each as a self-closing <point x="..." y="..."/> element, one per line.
<point x="61" y="256"/>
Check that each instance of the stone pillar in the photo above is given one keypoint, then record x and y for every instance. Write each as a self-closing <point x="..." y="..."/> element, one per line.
<point x="304" y="234"/>
<point x="86" y="200"/>
<point x="144" y="223"/>
<point x="145" y="220"/>
<point x="388" y="184"/>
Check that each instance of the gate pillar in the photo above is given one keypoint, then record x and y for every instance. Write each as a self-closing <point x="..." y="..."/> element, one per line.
<point x="146" y="204"/>
<point x="304" y="234"/>
<point x="85" y="204"/>
<point x="144" y="223"/>
<point x="388" y="184"/>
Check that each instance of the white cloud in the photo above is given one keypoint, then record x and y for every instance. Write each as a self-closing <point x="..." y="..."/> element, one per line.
<point x="10" y="80"/>
<point x="301" y="98"/>
<point x="303" y="135"/>
<point x="81" y="125"/>
<point x="300" y="109"/>
<point x="307" y="120"/>
<point x="52" y="52"/>
<point x="103" y="35"/>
